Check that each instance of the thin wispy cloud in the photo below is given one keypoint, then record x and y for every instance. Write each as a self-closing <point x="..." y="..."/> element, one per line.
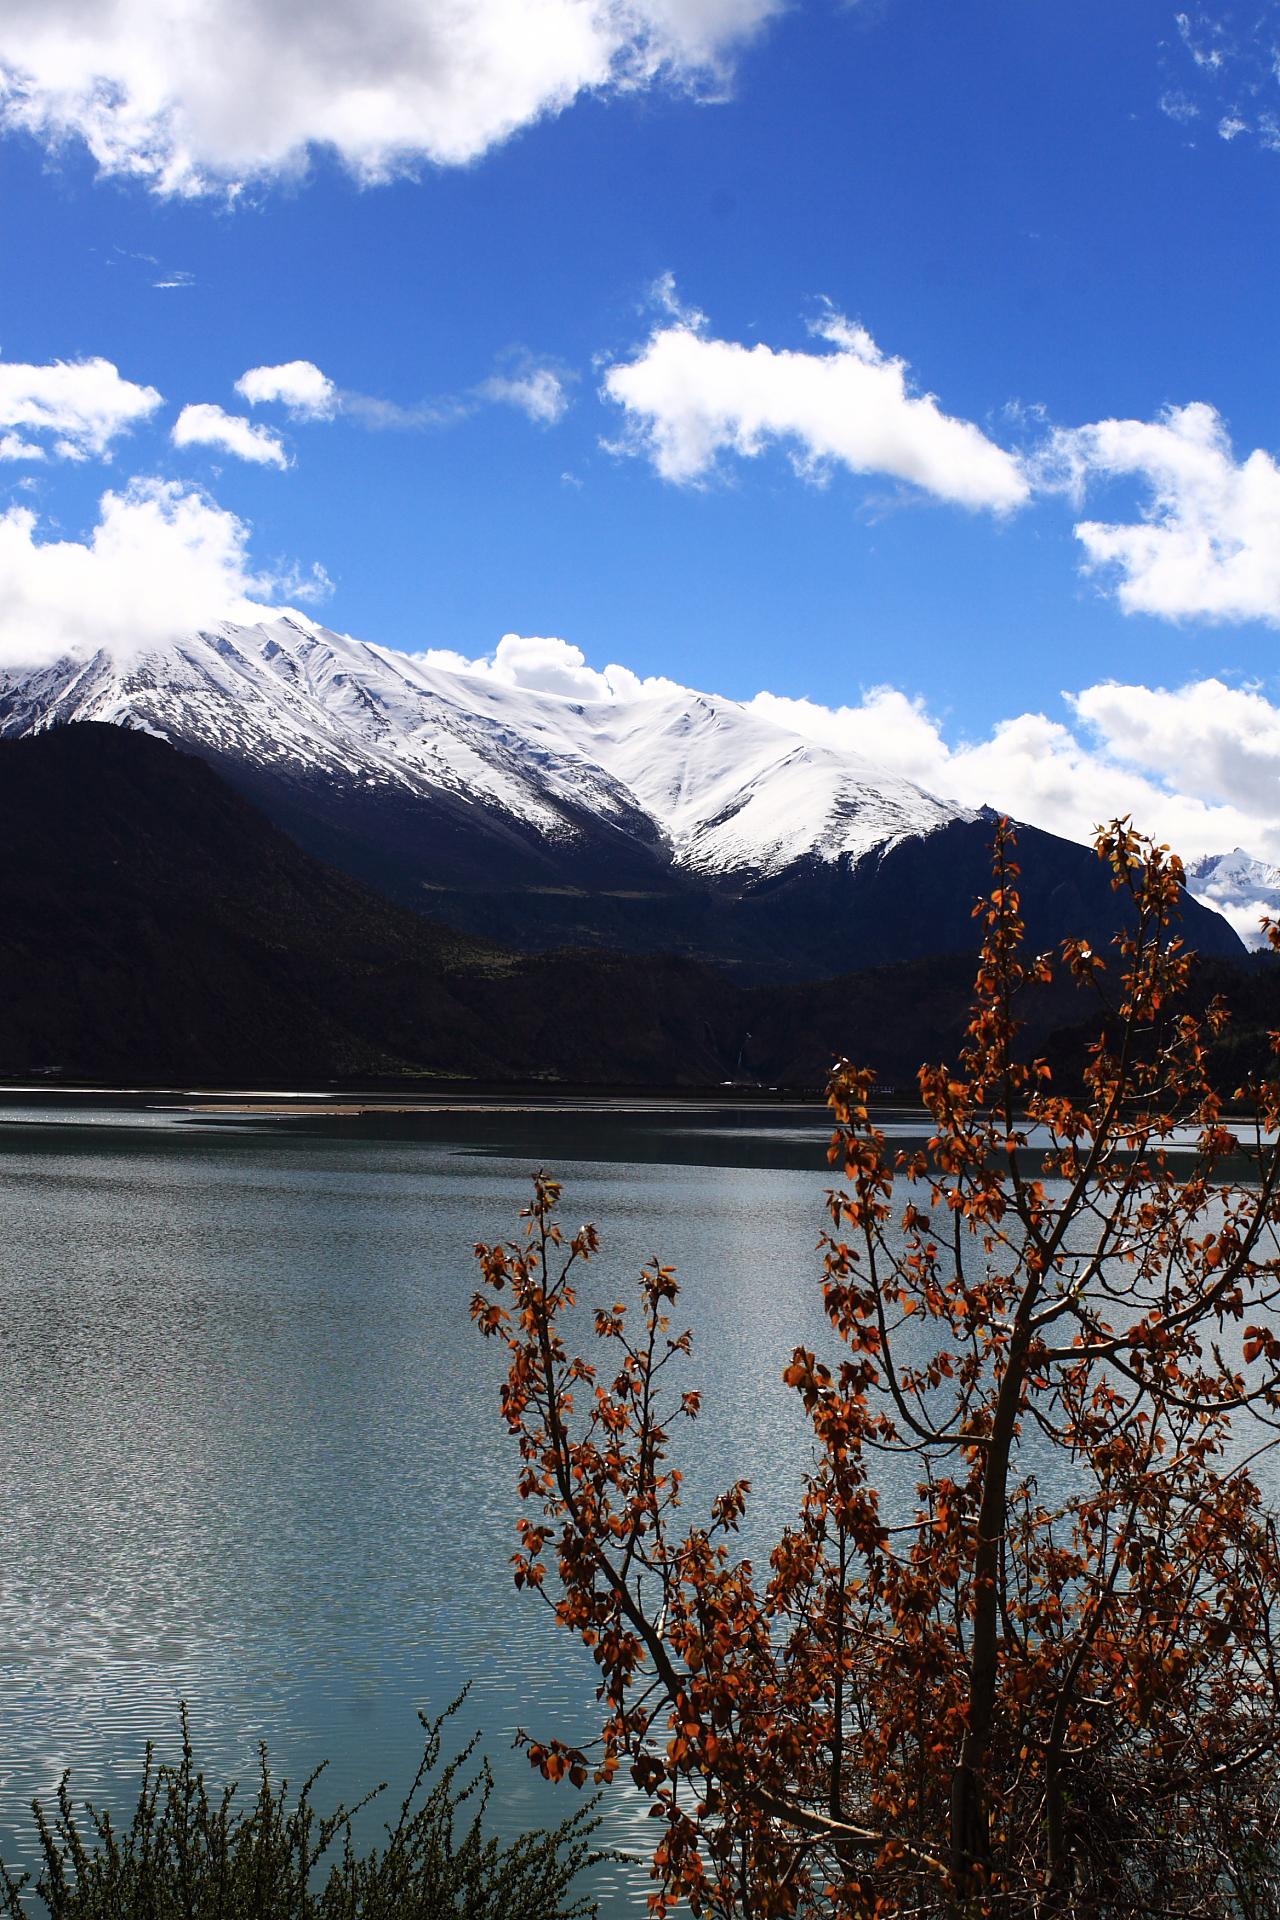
<point x="396" y="416"/>
<point x="536" y="389"/>
<point x="538" y="393"/>
<point x="1223" y="63"/>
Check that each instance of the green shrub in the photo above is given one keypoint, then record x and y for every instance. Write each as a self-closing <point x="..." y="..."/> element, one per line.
<point x="190" y="1853"/>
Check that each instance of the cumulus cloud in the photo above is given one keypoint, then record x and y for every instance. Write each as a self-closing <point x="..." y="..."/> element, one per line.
<point x="204" y="425"/>
<point x="544" y="664"/>
<point x="83" y="404"/>
<point x="231" y="90"/>
<point x="298" y="385"/>
<point x="1208" y="542"/>
<point x="1209" y="737"/>
<point x="1198" y="766"/>
<point x="538" y="392"/>
<point x="161" y="560"/>
<point x="690" y="398"/>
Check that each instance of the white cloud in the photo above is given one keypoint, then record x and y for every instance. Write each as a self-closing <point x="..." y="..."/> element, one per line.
<point x="1208" y="542"/>
<point x="1245" y="916"/>
<point x="1198" y="766"/>
<point x="161" y="560"/>
<point x="222" y="91"/>
<point x="204" y="425"/>
<point x="1176" y="106"/>
<point x="14" y="447"/>
<point x="1211" y="738"/>
<point x="1206" y="39"/>
<point x="538" y="392"/>
<point x="1226" y="64"/>
<point x="886" y="725"/>
<point x="298" y="385"/>
<point x="690" y="398"/>
<point x="544" y="664"/>
<point x="86" y="404"/>
<point x="306" y="585"/>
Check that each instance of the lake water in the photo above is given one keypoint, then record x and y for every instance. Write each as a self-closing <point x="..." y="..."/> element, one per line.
<point x="253" y="1457"/>
<point x="252" y="1452"/>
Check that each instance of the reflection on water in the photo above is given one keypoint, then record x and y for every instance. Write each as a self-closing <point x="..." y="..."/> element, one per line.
<point x="251" y="1444"/>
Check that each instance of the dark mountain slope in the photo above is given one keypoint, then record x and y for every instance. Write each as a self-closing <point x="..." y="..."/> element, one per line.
<point x="902" y="902"/>
<point x="667" y="822"/>
<point x="892" y="1018"/>
<point x="158" y="929"/>
<point x="156" y="926"/>
<point x="915" y="899"/>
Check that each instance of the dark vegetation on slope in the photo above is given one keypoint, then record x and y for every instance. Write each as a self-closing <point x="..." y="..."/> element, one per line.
<point x="158" y="928"/>
<point x="614" y="885"/>
<point x="894" y="1017"/>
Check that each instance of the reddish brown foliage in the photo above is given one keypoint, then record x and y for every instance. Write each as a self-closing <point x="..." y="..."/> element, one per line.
<point x="1052" y="1686"/>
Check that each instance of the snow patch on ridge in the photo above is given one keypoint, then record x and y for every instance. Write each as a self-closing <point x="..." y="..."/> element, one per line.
<point x="1239" y="887"/>
<point x="729" y="790"/>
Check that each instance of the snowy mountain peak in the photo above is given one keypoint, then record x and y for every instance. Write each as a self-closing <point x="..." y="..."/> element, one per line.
<point x="727" y="790"/>
<point x="1238" y="886"/>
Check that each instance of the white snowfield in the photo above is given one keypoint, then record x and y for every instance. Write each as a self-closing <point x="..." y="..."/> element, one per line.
<point x="1238" y="887"/>
<point x="727" y="790"/>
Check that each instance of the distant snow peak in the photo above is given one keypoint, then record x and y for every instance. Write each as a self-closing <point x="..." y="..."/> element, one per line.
<point x="1240" y="887"/>
<point x="728" y="789"/>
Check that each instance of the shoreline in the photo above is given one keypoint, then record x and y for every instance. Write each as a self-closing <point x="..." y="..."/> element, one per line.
<point x="351" y="1102"/>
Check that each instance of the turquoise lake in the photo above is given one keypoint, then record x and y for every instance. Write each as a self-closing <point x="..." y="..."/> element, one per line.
<point x="253" y="1455"/>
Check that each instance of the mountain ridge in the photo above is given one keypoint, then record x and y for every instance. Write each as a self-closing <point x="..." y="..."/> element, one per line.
<point x="161" y="931"/>
<point x="678" y="764"/>
<point x="660" y="820"/>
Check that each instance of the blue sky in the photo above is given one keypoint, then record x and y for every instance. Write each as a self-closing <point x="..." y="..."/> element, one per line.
<point x="552" y="229"/>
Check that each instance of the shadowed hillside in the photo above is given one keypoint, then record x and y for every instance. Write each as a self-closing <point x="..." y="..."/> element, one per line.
<point x="159" y="929"/>
<point x="156" y="926"/>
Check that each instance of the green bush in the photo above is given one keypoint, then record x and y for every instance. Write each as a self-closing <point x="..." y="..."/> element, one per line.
<point x="190" y="1853"/>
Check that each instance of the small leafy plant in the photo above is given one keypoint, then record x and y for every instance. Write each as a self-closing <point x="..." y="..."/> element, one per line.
<point x="195" y="1853"/>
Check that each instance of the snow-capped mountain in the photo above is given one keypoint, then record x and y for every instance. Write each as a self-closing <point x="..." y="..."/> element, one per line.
<point x="657" y="819"/>
<point x="724" y="790"/>
<point x="1240" y="888"/>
